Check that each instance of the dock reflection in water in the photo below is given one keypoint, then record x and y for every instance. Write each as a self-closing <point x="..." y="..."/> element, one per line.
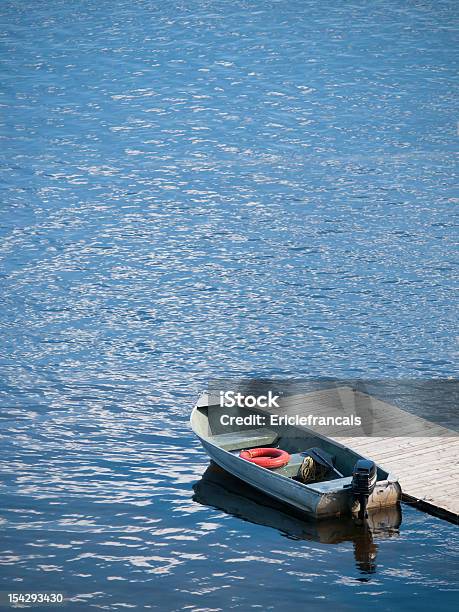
<point x="221" y="490"/>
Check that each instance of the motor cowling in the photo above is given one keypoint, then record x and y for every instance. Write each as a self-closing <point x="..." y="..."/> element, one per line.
<point x="364" y="476"/>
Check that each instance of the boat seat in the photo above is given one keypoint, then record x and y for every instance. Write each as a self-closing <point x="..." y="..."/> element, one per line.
<point x="247" y="438"/>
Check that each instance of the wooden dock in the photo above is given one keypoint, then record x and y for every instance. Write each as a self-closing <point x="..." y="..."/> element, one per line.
<point x="423" y="455"/>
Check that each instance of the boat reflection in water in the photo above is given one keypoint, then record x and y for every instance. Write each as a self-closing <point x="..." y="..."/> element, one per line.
<point x="221" y="490"/>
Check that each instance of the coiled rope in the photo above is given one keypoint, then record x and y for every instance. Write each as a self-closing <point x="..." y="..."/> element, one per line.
<point x="311" y="471"/>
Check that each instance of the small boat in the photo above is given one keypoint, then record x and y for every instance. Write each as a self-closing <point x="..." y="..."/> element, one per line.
<point x="348" y="483"/>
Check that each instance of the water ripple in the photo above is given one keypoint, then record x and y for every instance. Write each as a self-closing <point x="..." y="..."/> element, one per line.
<point x="196" y="190"/>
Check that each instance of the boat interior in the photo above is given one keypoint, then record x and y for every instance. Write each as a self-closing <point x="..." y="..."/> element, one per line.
<point x="296" y="441"/>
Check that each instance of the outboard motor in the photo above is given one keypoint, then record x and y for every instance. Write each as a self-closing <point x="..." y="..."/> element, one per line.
<point x="363" y="483"/>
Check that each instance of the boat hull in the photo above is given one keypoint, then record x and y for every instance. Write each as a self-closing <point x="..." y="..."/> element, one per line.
<point x="309" y="499"/>
<point x="325" y="499"/>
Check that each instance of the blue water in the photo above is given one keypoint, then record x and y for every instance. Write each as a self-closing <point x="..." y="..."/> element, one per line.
<point x="200" y="189"/>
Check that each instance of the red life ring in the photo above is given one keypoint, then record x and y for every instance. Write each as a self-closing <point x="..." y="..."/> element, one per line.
<point x="266" y="457"/>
